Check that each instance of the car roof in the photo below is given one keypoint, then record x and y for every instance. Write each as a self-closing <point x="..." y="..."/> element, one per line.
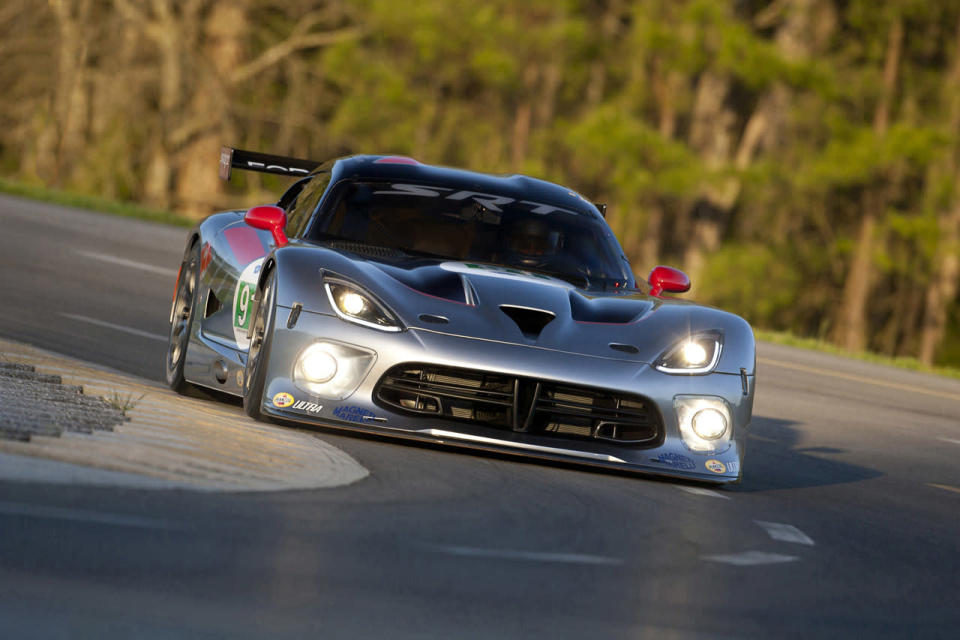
<point x="520" y="187"/>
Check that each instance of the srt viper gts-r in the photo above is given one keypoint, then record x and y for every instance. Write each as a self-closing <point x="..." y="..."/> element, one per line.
<point x="495" y="312"/>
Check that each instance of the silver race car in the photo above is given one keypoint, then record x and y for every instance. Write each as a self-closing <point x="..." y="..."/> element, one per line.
<point x="493" y="312"/>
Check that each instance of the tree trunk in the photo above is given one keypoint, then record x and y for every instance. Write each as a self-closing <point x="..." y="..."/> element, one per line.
<point x="805" y="23"/>
<point x="942" y="291"/>
<point x="70" y="97"/>
<point x="198" y="187"/>
<point x="853" y="327"/>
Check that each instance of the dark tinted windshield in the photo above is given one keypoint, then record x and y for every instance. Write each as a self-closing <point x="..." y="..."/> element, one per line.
<point x="465" y="225"/>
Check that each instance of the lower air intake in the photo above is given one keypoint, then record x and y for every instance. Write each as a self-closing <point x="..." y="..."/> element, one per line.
<point x="519" y="404"/>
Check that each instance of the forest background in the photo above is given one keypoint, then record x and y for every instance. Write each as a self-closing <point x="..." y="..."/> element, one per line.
<point x="798" y="158"/>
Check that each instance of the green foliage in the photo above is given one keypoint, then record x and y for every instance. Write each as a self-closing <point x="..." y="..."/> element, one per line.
<point x="759" y="281"/>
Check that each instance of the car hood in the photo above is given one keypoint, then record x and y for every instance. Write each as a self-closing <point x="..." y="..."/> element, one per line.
<point x="491" y="302"/>
<point x="487" y="302"/>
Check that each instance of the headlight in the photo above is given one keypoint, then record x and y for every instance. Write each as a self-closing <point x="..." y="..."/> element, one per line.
<point x="332" y="370"/>
<point x="704" y="422"/>
<point x="698" y="353"/>
<point x="355" y="305"/>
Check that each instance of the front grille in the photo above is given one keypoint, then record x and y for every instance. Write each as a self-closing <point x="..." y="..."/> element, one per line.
<point x="525" y="405"/>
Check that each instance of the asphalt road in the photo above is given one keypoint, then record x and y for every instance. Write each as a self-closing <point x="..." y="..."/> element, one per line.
<point x="846" y="523"/>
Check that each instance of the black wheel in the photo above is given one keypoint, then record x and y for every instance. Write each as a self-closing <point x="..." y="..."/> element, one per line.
<point x="181" y="321"/>
<point x="258" y="356"/>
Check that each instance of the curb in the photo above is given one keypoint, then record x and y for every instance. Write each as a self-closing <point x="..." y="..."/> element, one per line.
<point x="166" y="441"/>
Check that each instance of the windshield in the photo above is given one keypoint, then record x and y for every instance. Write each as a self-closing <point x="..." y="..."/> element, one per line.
<point x="481" y="227"/>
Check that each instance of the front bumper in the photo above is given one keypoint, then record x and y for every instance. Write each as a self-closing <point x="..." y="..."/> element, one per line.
<point x="359" y="411"/>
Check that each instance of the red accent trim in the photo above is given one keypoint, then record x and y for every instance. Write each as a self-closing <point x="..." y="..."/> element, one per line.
<point x="176" y="285"/>
<point x="613" y="324"/>
<point x="245" y="244"/>
<point x="206" y="255"/>
<point x="395" y="160"/>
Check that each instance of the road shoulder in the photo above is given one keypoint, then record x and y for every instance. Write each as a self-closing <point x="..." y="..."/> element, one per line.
<point x="167" y="441"/>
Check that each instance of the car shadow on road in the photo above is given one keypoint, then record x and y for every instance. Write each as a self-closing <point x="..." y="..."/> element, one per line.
<point x="774" y="460"/>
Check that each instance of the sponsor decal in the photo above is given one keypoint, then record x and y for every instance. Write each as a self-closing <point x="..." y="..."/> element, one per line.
<point x="309" y="407"/>
<point x="353" y="414"/>
<point x="503" y="272"/>
<point x="716" y="466"/>
<point x="244" y="243"/>
<point x="676" y="460"/>
<point x="243" y="302"/>
<point x="283" y="400"/>
<point x="240" y="378"/>
<point x="733" y="466"/>
<point x="274" y="167"/>
<point x="490" y="201"/>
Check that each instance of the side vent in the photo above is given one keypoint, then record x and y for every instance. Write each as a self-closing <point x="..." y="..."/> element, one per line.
<point x="213" y="305"/>
<point x="530" y="321"/>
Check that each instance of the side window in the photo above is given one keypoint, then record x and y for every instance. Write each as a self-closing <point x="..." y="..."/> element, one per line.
<point x="289" y="198"/>
<point x="304" y="204"/>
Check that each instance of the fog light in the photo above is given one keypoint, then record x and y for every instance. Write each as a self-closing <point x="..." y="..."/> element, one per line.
<point x="704" y="421"/>
<point x="332" y="370"/>
<point x="318" y="365"/>
<point x="709" y="424"/>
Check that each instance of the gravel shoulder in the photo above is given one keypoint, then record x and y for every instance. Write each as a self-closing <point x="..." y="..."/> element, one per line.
<point x="61" y="422"/>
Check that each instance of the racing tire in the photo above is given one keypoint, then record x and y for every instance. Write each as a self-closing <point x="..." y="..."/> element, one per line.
<point x="258" y="355"/>
<point x="181" y="321"/>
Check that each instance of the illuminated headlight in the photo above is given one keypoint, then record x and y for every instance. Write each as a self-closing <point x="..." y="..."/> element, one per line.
<point x="355" y="305"/>
<point x="698" y="353"/>
<point x="317" y="365"/>
<point x="332" y="370"/>
<point x="704" y="422"/>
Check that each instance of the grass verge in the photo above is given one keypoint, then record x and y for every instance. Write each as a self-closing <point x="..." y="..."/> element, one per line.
<point x="790" y="340"/>
<point x="93" y="203"/>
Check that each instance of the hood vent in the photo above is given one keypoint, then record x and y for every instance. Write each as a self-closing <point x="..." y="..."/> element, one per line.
<point x="433" y="281"/>
<point x="606" y="310"/>
<point x="530" y="321"/>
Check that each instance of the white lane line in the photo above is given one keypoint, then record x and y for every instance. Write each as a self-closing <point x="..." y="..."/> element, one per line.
<point x="699" y="491"/>
<point x="123" y="262"/>
<point x="950" y="440"/>
<point x="751" y="558"/>
<point x="117" y="327"/>
<point x="785" y="532"/>
<point x="529" y="556"/>
<point x="80" y="515"/>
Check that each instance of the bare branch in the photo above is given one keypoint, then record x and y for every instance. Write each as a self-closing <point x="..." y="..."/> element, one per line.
<point x="281" y="50"/>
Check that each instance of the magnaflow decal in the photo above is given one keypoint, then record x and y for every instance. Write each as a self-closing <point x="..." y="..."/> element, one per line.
<point x="353" y="414"/>
<point x="676" y="460"/>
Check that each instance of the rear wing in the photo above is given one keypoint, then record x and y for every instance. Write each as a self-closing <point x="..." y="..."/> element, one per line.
<point x="231" y="158"/>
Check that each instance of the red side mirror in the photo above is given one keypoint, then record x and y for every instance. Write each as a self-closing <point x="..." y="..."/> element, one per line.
<point x="667" y="279"/>
<point x="269" y="218"/>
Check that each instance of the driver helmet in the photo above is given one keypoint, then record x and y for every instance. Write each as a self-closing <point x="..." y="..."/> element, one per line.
<point x="532" y="241"/>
